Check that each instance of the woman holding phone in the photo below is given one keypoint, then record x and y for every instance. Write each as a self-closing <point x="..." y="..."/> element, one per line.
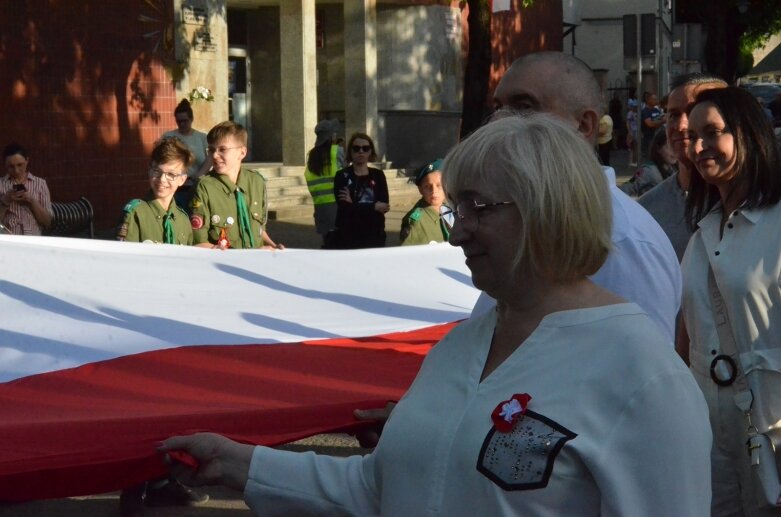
<point x="25" y="203"/>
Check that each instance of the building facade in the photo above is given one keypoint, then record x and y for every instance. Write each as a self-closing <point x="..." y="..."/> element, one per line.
<point x="600" y="37"/>
<point x="89" y="86"/>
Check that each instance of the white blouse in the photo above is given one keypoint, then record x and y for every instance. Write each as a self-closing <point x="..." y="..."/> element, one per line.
<point x="746" y="264"/>
<point x="616" y="426"/>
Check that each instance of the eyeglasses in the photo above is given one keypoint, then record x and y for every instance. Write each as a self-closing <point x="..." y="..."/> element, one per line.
<point x="182" y="120"/>
<point x="362" y="148"/>
<point x="468" y="213"/>
<point x="221" y="150"/>
<point x="166" y="176"/>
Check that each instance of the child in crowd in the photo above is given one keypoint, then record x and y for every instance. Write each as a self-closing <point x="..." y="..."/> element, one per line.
<point x="631" y="131"/>
<point x="659" y="166"/>
<point x="157" y="218"/>
<point x="424" y="223"/>
<point x="230" y="206"/>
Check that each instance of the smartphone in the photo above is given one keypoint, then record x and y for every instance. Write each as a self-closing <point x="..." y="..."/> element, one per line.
<point x="20" y="188"/>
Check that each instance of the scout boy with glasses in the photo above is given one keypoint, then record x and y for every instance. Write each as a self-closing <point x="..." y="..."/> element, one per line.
<point x="157" y="218"/>
<point x="229" y="208"/>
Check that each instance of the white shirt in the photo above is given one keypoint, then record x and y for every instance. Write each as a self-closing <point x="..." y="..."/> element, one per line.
<point x="196" y="142"/>
<point x="616" y="426"/>
<point x="746" y="264"/>
<point x="642" y="267"/>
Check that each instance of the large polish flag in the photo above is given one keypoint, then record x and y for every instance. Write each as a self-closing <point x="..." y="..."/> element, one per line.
<point x="106" y="348"/>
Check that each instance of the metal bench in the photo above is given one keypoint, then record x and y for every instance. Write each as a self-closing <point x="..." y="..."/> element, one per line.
<point x="72" y="218"/>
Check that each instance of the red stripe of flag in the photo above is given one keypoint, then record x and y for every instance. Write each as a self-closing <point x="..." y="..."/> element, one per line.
<point x="93" y="429"/>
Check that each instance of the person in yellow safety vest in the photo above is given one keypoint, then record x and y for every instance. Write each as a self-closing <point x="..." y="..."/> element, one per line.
<point x="322" y="164"/>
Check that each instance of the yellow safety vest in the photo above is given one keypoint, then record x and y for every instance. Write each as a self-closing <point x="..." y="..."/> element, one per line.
<point x="322" y="187"/>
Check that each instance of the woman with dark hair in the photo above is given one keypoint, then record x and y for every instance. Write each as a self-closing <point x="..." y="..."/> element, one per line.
<point x="322" y="164"/>
<point x="25" y="203"/>
<point x="732" y="285"/>
<point x="196" y="141"/>
<point x="660" y="165"/>
<point x="362" y="197"/>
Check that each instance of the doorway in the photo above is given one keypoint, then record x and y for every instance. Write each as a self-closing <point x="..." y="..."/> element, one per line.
<point x="239" y="80"/>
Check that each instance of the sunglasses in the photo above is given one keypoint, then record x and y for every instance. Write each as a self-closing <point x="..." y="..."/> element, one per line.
<point x="362" y="148"/>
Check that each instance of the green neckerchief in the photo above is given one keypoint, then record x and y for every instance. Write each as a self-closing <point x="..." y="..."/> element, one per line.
<point x="245" y="229"/>
<point x="168" y="217"/>
<point x="168" y="228"/>
<point x="445" y="231"/>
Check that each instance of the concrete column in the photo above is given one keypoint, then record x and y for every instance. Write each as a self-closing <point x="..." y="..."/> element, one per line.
<point x="201" y="46"/>
<point x="299" y="79"/>
<point x="360" y="56"/>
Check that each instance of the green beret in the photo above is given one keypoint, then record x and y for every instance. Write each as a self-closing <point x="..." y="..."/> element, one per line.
<point x="436" y="165"/>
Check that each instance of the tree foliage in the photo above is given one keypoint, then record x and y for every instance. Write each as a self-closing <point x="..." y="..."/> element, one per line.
<point x="734" y="28"/>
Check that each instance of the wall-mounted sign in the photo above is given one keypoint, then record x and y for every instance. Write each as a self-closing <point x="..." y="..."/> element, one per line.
<point x="195" y="13"/>
<point x="203" y="41"/>
<point x="452" y="23"/>
<point x="500" y="5"/>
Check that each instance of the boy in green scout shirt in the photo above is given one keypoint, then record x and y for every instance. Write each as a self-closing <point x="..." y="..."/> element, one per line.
<point x="424" y="224"/>
<point x="229" y="207"/>
<point x="157" y="218"/>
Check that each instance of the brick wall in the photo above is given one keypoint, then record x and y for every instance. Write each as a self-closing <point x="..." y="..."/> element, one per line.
<point x="85" y="87"/>
<point x="523" y="30"/>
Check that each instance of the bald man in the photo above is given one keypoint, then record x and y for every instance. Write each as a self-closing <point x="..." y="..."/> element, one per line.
<point x="667" y="201"/>
<point x="642" y="267"/>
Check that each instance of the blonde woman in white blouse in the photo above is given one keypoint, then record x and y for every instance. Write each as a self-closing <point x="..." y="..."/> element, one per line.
<point x="565" y="400"/>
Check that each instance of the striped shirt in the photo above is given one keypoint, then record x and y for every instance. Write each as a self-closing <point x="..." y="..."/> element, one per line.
<point x="19" y="219"/>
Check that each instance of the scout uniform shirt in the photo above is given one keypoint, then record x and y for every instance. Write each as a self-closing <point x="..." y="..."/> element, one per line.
<point x="144" y="220"/>
<point x="214" y="209"/>
<point x="423" y="225"/>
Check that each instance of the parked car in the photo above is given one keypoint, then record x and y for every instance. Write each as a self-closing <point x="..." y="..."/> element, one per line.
<point x="765" y="91"/>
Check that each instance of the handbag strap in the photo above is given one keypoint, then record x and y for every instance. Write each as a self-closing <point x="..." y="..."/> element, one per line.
<point x="744" y="399"/>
